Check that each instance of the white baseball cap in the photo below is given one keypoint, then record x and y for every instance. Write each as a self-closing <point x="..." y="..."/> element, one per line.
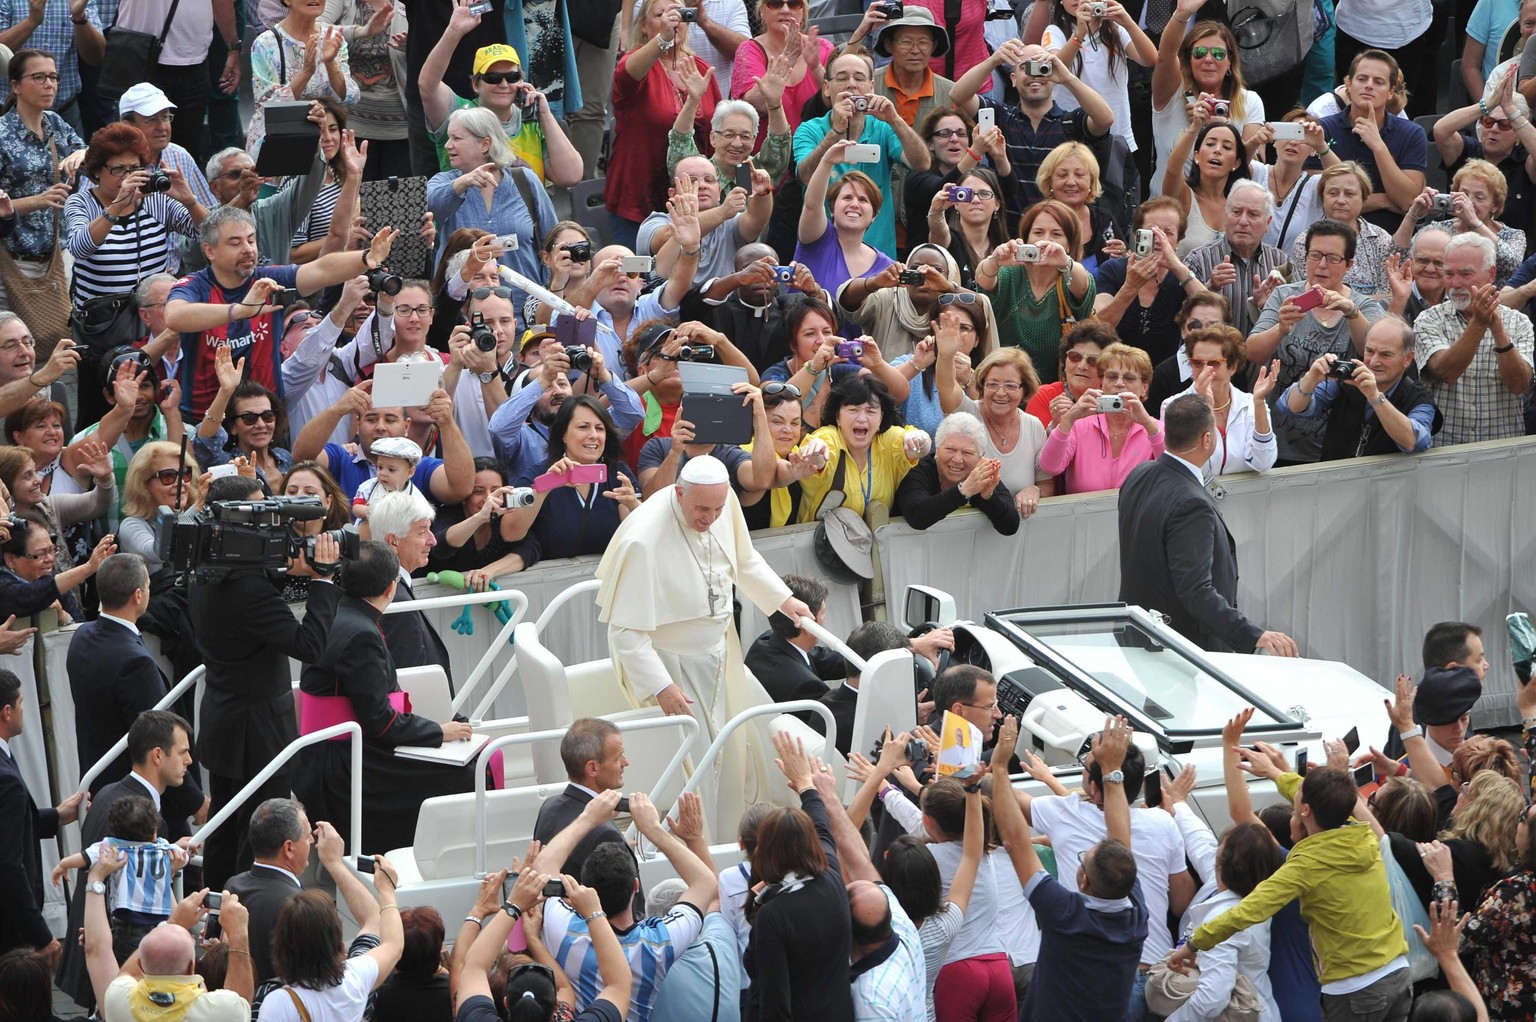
<point x="144" y="99"/>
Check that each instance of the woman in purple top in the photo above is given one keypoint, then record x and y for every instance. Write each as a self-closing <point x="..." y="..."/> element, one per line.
<point x="834" y="251"/>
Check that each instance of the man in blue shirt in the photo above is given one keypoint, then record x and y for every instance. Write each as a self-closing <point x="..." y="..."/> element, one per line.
<point x="1376" y="410"/>
<point x="851" y="80"/>
<point x="1392" y="149"/>
<point x="1091" y="936"/>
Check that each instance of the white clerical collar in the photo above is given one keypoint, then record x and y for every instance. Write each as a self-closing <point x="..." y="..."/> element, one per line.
<point x="153" y="793"/>
<point x="1194" y="469"/>
<point x="122" y="621"/>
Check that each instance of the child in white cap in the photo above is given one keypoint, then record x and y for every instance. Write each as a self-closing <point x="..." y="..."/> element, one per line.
<point x="395" y="459"/>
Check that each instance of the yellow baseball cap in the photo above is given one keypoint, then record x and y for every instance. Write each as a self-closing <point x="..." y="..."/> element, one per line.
<point x="485" y="56"/>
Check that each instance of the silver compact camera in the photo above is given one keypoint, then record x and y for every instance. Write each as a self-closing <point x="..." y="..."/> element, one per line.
<point x="1144" y="243"/>
<point x="1037" y="68"/>
<point x="1024" y="252"/>
<point x="519" y="496"/>
<point x="1097" y="10"/>
<point x="860" y="103"/>
<point x="1443" y="203"/>
<point x="1111" y="403"/>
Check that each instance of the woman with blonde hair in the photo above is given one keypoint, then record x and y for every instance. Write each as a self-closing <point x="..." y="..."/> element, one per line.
<point x="648" y="92"/>
<point x="1477" y="195"/>
<point x="1478" y="848"/>
<point x="1097" y="449"/>
<point x="158" y="477"/>
<point x="1200" y="66"/>
<point x="1341" y="194"/>
<point x="1070" y="175"/>
<point x="491" y="189"/>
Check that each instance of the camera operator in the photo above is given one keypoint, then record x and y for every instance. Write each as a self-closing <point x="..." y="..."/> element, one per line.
<point x="1373" y="409"/>
<point x="246" y="633"/>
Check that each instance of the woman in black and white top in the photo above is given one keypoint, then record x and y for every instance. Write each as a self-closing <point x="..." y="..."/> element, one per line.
<point x="311" y="233"/>
<point x="120" y="231"/>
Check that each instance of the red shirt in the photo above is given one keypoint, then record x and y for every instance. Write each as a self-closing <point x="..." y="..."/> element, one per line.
<point x="643" y="113"/>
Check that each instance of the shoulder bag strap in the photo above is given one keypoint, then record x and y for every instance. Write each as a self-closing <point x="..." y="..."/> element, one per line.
<point x="838" y="475"/>
<point x="1295" y="201"/>
<point x="165" y="30"/>
<point x="298" y="1005"/>
<point x="714" y="965"/>
<point x="526" y="191"/>
<point x="282" y="59"/>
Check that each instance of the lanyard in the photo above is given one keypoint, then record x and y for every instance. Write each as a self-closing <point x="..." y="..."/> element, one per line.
<point x="869" y="478"/>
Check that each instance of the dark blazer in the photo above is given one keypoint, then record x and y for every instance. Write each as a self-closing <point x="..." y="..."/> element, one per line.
<point x="21" y="860"/>
<point x="113" y="679"/>
<point x="264" y="891"/>
<point x="1177" y="556"/>
<point x="411" y="639"/>
<point x="559" y="812"/>
<point x="842" y="701"/>
<point x="72" y="977"/>
<point x="783" y="672"/>
<point x="246" y="634"/>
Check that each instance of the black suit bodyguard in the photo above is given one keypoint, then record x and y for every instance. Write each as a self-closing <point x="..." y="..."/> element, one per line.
<point x="1176" y="554"/>
<point x="246" y="633"/>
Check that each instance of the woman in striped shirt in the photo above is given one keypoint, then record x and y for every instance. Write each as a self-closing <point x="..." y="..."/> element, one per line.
<point x="120" y="231"/>
<point x="311" y="234"/>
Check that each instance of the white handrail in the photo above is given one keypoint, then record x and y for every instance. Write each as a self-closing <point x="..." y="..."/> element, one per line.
<point x="828" y="749"/>
<point x="515" y="597"/>
<point x="193" y="677"/>
<point x="833" y="643"/>
<point x="351" y="728"/>
<point x="564" y="597"/>
<point x="687" y="723"/>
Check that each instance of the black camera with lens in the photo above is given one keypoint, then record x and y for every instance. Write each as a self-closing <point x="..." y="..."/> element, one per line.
<point x="381" y="281"/>
<point x="581" y="251"/>
<point x="580" y="356"/>
<point x="695" y="353"/>
<point x="918" y="756"/>
<point x="159" y="181"/>
<point x="235" y="534"/>
<point x="1343" y="369"/>
<point x="481" y="334"/>
<point x="911" y="278"/>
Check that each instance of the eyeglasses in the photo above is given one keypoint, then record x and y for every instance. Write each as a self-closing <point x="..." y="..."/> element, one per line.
<point x="951" y="133"/>
<point x="11" y="347"/>
<point x="234" y="175"/>
<point x="44" y="555"/>
<point x="735" y="136"/>
<point x="1495" y="122"/>
<point x="1000" y="387"/>
<point x="251" y="418"/>
<point x="1113" y="378"/>
<point x="167" y="476"/>
<point x="482" y="293"/>
<point x="957" y="298"/>
<point x="1330" y="258"/>
<point x="985" y="194"/>
<point x="122" y="169"/>
<point x="163" y="117"/>
<point x="501" y="77"/>
<point x="413" y="311"/>
<point x="704" y="179"/>
<point x="917" y="42"/>
<point x="1198" y="364"/>
<point x="43" y="78"/>
<point x="1074" y="357"/>
<point x="1421" y="261"/>
<point x="776" y="388"/>
<point x="1214" y="52"/>
<point x="299" y="318"/>
<point x="982" y="706"/>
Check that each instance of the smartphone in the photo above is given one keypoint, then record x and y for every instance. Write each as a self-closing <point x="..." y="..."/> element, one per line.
<point x="1364" y="774"/>
<point x="744" y="177"/>
<point x="862" y="152"/>
<point x="1152" y="789"/>
<point x="482" y="8"/>
<point x="986" y="119"/>
<point x="623" y="807"/>
<point x="572" y="332"/>
<point x="637" y="265"/>
<point x="1309" y="299"/>
<point x="1352" y="740"/>
<point x="580" y="474"/>
<point x="554" y="888"/>
<point x="1288" y="131"/>
<point x="1301" y="761"/>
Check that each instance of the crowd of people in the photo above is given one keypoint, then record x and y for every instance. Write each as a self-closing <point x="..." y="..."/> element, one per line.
<point x="966" y="259"/>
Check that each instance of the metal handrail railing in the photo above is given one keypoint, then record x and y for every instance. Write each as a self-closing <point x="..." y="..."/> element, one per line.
<point x="166" y="701"/>
<point x="563" y="597"/>
<point x="688" y="724"/>
<point x="515" y="597"/>
<point x="351" y="728"/>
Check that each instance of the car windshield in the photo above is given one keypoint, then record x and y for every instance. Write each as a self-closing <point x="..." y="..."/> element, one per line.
<point x="1150" y="676"/>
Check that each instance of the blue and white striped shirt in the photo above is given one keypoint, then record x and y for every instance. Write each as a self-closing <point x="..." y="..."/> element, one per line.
<point x="146" y="883"/>
<point x="651" y="945"/>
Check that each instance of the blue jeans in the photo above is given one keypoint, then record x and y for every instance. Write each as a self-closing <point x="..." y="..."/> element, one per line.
<point x="1136" y="1010"/>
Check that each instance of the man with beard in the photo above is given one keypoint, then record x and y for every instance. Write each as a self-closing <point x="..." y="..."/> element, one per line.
<point x="227" y="305"/>
<point x="727" y="220"/>
<point x="1238" y="264"/>
<point x="155" y="414"/>
<point x="1475" y="353"/>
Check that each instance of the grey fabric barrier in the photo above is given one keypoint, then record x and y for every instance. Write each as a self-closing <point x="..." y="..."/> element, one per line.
<point x="1354" y="560"/>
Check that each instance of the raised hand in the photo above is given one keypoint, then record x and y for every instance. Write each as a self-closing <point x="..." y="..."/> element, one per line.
<point x="229" y="373"/>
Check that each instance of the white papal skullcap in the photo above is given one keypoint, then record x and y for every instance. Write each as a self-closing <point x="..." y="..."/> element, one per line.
<point x="705" y="470"/>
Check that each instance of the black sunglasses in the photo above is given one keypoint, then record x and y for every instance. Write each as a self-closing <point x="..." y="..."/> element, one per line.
<point x="776" y="388"/>
<point x="167" y="476"/>
<point x="501" y="77"/>
<point x="251" y="418"/>
<point x="482" y="293"/>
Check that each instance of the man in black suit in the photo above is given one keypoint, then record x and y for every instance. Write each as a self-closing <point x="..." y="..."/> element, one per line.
<point x="22" y="827"/>
<point x="786" y="660"/>
<point x="1176" y="555"/>
<point x="868" y="639"/>
<point x="593" y="753"/>
<point x="160" y="748"/>
<point x="281" y="839"/>
<point x="403" y="521"/>
<point x="246" y="634"/>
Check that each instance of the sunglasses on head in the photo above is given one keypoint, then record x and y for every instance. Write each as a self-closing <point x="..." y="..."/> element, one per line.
<point x="167" y="476"/>
<point x="957" y="298"/>
<point x="501" y="77"/>
<point x="775" y="388"/>
<point x="251" y="418"/>
<point x="1214" y="52"/>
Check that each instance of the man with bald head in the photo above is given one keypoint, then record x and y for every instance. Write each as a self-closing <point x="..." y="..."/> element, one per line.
<point x="667" y="579"/>
<point x="729" y="216"/>
<point x="749" y="303"/>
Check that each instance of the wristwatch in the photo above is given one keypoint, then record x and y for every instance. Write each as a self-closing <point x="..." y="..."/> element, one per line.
<point x="512" y="910"/>
<point x="1414" y="732"/>
<point x="122" y="219"/>
<point x="1115" y="777"/>
<point x="1381" y="399"/>
<point x="97" y="887"/>
<point x="486" y="377"/>
<point x="1508" y="347"/>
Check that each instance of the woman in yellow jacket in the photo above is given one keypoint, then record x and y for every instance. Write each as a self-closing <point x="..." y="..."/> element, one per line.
<point x="876" y="454"/>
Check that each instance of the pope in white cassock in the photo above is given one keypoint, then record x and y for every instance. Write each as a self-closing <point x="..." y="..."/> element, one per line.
<point x="666" y="596"/>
